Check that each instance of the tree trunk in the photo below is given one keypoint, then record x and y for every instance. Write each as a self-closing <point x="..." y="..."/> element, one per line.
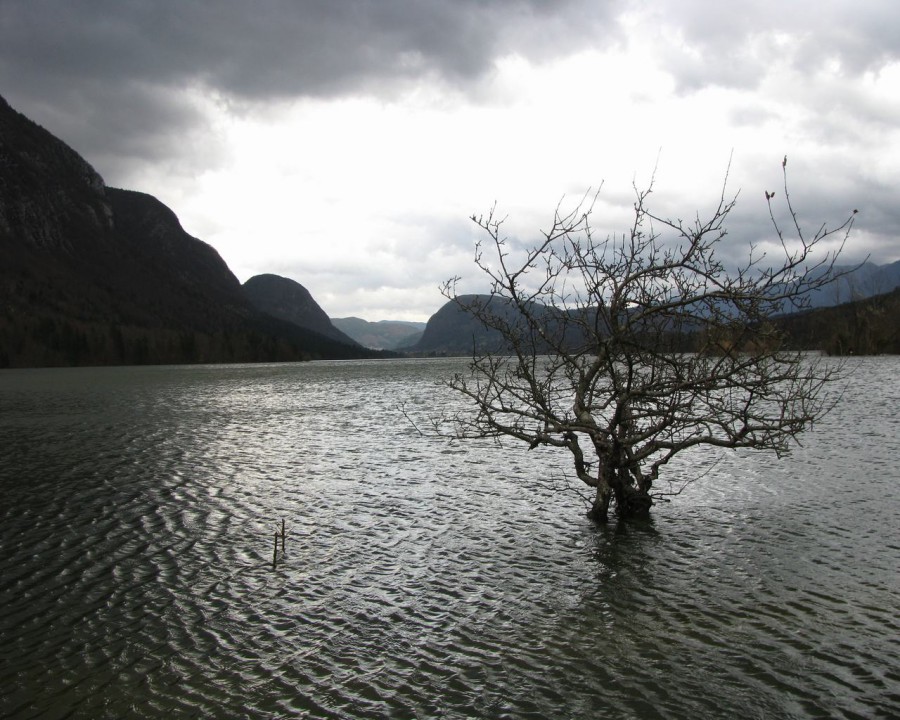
<point x="632" y="495"/>
<point x="599" y="511"/>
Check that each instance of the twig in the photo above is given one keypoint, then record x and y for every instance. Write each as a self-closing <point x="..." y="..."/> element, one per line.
<point x="406" y="415"/>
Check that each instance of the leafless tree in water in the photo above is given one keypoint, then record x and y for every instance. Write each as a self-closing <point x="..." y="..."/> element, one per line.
<point x="627" y="350"/>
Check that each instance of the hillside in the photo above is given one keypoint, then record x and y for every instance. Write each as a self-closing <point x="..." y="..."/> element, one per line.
<point x="288" y="300"/>
<point x="454" y="331"/>
<point x="864" y="327"/>
<point x="870" y="326"/>
<point x="91" y="275"/>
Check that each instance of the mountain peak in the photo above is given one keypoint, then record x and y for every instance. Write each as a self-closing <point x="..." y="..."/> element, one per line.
<point x="288" y="300"/>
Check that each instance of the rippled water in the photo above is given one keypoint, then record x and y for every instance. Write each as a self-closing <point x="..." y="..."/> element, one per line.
<point x="423" y="578"/>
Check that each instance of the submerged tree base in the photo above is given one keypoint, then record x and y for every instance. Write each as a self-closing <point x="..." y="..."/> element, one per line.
<point x="631" y="504"/>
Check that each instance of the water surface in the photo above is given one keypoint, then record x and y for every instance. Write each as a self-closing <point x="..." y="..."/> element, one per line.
<point x="423" y="578"/>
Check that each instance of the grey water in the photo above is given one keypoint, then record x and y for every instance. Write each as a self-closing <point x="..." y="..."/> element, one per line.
<point x="424" y="578"/>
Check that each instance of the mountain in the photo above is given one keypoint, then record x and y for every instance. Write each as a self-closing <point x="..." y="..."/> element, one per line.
<point x="92" y="275"/>
<point x="455" y="331"/>
<point x="381" y="335"/>
<point x="288" y="300"/>
<point x="869" y="325"/>
<point x="855" y="283"/>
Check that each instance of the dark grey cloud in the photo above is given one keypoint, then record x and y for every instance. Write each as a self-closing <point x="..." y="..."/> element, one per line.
<point x="108" y="74"/>
<point x="734" y="44"/>
<point x="820" y="197"/>
<point x="281" y="47"/>
<point x="120" y="127"/>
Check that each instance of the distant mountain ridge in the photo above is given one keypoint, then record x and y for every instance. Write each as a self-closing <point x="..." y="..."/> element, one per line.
<point x="92" y="275"/>
<point x="383" y="334"/>
<point x="859" y="282"/>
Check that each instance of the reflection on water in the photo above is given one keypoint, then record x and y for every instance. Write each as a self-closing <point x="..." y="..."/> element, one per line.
<point x="422" y="578"/>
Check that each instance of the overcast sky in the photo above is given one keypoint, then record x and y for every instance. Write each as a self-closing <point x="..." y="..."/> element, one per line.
<point x="345" y="143"/>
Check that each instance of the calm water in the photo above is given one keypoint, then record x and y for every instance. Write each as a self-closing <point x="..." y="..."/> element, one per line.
<point x="423" y="578"/>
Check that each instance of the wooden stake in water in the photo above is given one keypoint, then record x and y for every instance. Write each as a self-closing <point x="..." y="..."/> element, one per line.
<point x="275" y="552"/>
<point x="282" y="536"/>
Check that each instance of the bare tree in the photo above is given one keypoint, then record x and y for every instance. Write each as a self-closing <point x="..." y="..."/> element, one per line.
<point x="630" y="349"/>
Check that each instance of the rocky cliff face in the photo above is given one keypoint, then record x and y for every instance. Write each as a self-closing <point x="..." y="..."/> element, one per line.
<point x="52" y="198"/>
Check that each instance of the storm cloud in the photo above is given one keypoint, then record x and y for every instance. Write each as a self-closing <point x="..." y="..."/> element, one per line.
<point x="281" y="48"/>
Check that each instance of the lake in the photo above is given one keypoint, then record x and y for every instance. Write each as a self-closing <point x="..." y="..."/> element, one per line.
<point x="424" y="578"/>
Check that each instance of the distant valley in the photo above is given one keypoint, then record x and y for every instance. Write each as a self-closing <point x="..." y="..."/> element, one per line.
<point x="381" y="335"/>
